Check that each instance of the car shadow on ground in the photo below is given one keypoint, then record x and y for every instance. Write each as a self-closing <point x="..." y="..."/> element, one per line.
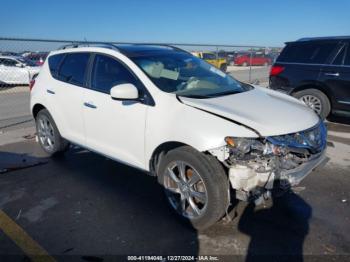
<point x="98" y="207"/>
<point x="276" y="232"/>
<point x="82" y="205"/>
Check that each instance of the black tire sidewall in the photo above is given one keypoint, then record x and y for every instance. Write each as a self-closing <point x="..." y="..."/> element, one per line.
<point x="223" y="68"/>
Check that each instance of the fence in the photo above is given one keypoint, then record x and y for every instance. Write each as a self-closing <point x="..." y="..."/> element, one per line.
<point x="249" y="64"/>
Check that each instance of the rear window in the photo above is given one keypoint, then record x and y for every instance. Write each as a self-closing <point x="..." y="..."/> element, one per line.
<point x="209" y="56"/>
<point x="73" y="68"/>
<point x="307" y="52"/>
<point x="54" y="62"/>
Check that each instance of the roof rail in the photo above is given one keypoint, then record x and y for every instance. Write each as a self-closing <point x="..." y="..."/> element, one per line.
<point x="323" y="38"/>
<point x="88" y="44"/>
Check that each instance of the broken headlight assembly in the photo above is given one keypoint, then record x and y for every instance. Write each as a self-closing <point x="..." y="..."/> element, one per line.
<point x="240" y="147"/>
<point x="309" y="141"/>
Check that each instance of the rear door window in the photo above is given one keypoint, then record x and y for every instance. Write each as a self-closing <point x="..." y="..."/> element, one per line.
<point x="73" y="68"/>
<point x="308" y="52"/>
<point x="339" y="59"/>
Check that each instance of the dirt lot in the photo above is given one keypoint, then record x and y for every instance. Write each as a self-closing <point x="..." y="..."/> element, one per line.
<point x="83" y="207"/>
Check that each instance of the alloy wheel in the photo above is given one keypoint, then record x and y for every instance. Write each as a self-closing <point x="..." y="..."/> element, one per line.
<point x="46" y="133"/>
<point x="313" y="102"/>
<point x="185" y="189"/>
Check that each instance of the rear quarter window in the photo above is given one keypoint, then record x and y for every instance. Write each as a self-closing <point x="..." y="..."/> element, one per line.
<point x="54" y="62"/>
<point x="307" y="52"/>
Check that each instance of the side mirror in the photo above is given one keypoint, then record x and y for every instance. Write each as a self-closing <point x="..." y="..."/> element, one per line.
<point x="19" y="65"/>
<point x="124" y="92"/>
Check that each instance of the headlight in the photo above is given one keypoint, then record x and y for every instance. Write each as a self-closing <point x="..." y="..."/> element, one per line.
<point x="243" y="146"/>
<point x="314" y="139"/>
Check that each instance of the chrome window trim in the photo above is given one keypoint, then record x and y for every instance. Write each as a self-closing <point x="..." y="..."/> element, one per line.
<point x="291" y="63"/>
<point x="344" y="102"/>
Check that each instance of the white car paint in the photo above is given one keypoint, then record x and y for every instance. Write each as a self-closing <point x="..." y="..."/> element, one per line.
<point x="13" y="71"/>
<point x="131" y="132"/>
<point x="267" y="112"/>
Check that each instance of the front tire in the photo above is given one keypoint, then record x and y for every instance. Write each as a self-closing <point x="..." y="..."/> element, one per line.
<point x="195" y="186"/>
<point x="316" y="100"/>
<point x="49" y="137"/>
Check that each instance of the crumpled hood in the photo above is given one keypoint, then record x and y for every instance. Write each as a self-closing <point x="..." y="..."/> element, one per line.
<point x="266" y="111"/>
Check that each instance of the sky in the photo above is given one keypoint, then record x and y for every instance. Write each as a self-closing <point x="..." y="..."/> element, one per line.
<point x="253" y="22"/>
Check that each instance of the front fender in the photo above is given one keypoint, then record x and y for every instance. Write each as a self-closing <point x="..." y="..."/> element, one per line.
<point x="187" y="125"/>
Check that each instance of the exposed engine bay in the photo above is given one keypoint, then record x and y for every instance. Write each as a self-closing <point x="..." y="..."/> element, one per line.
<point x="256" y="166"/>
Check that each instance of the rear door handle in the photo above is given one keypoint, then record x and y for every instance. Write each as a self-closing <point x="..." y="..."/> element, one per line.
<point x="50" y="91"/>
<point x="332" y="74"/>
<point x="90" y="105"/>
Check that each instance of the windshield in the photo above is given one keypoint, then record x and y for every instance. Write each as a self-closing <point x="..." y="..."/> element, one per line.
<point x="26" y="62"/>
<point x="186" y="75"/>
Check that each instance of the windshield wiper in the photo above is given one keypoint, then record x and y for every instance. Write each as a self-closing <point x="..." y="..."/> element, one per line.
<point x="226" y="93"/>
<point x="195" y="96"/>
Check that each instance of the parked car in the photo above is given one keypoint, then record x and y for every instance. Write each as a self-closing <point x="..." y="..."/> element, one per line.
<point x="316" y="71"/>
<point x="212" y="59"/>
<point x="254" y="60"/>
<point x="228" y="55"/>
<point x="37" y="58"/>
<point x="16" y="70"/>
<point x="208" y="138"/>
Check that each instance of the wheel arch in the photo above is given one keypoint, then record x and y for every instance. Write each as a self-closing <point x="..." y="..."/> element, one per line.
<point x="36" y="108"/>
<point x="318" y="86"/>
<point x="159" y="152"/>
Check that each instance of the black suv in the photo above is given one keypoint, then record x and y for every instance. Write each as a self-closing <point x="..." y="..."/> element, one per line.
<point x="317" y="71"/>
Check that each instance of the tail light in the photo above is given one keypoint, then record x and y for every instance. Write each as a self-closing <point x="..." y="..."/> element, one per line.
<point x="31" y="84"/>
<point x="276" y="70"/>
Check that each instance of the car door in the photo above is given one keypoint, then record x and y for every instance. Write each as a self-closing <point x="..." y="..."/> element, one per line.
<point x="65" y="96"/>
<point x="13" y="72"/>
<point x="114" y="128"/>
<point x="336" y="77"/>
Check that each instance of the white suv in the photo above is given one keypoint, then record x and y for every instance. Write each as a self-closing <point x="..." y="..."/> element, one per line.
<point x="208" y="138"/>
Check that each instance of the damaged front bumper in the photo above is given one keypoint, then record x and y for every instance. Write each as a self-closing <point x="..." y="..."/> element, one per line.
<point x="258" y="166"/>
<point x="250" y="185"/>
<point x="295" y="176"/>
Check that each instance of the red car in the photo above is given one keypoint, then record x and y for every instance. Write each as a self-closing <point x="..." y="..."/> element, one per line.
<point x="255" y="59"/>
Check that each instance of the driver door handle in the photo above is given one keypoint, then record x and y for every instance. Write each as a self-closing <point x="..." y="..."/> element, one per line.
<point x="332" y="74"/>
<point x="90" y="105"/>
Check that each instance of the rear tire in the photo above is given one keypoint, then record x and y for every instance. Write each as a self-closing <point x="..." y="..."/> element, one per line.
<point x="223" y="68"/>
<point x="316" y="100"/>
<point x="48" y="134"/>
<point x="201" y="203"/>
